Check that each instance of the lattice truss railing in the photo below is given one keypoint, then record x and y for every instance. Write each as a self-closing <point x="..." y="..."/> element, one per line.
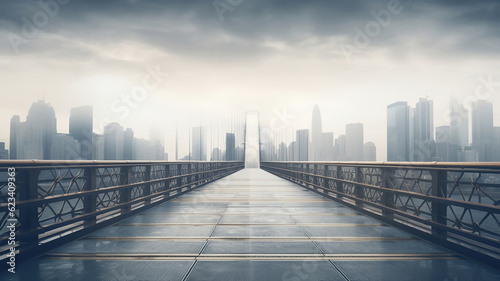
<point x="480" y="188"/>
<point x="470" y="196"/>
<point x="105" y="178"/>
<point x="57" y="187"/>
<point x="60" y="181"/>
<point x="415" y="181"/>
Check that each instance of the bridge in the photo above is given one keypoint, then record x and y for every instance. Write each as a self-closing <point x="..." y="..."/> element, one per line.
<point x="130" y="220"/>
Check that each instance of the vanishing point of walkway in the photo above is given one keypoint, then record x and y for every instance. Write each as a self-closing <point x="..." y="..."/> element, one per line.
<point x="251" y="226"/>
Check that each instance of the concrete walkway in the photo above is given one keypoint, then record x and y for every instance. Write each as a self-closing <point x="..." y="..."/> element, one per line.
<point x="251" y="226"/>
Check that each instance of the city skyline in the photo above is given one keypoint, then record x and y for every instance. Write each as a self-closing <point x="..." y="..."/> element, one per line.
<point x="37" y="137"/>
<point x="459" y="130"/>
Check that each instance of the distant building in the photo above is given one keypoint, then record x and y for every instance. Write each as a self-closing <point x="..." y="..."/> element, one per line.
<point x="81" y="128"/>
<point x="327" y="149"/>
<point x="15" y="123"/>
<point x="157" y="144"/>
<point x="292" y="147"/>
<point x="199" y="144"/>
<point x="142" y="150"/>
<point x="4" y="153"/>
<point x="354" y="141"/>
<point x="240" y="153"/>
<point x="230" y="147"/>
<point x="316" y="135"/>
<point x="97" y="147"/>
<point x="470" y="154"/>
<point x="424" y="146"/>
<point x="33" y="139"/>
<point x="459" y="125"/>
<point x="482" y="130"/>
<point x="64" y="147"/>
<point x="217" y="155"/>
<point x="398" y="132"/>
<point x="302" y="145"/>
<point x="339" y="149"/>
<point x="128" y="144"/>
<point x="282" y="152"/>
<point x="369" y="152"/>
<point x="113" y="141"/>
<point x="496" y="144"/>
<point x="446" y="151"/>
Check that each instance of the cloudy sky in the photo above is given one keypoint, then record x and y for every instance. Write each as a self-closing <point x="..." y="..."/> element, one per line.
<point x="351" y="57"/>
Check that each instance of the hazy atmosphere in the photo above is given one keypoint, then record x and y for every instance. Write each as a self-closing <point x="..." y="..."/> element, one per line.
<point x="205" y="61"/>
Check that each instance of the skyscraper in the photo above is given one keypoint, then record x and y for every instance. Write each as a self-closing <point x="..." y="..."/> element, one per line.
<point x="4" y="153"/>
<point x="157" y="144"/>
<point x="64" y="147"/>
<point x="459" y="124"/>
<point x="42" y="117"/>
<point x="445" y="150"/>
<point x="482" y="129"/>
<point x="354" y="141"/>
<point x="113" y="142"/>
<point x="81" y="127"/>
<point x="339" y="149"/>
<point x="33" y="139"/>
<point x="302" y="145"/>
<point x="15" y="122"/>
<point x="128" y="144"/>
<point x="199" y="144"/>
<point x="97" y="147"/>
<point x="230" y="147"/>
<point x="326" y="153"/>
<point x="316" y="135"/>
<point x="369" y="152"/>
<point x="142" y="150"/>
<point x="398" y="132"/>
<point x="292" y="151"/>
<point x="282" y="152"/>
<point x="424" y="146"/>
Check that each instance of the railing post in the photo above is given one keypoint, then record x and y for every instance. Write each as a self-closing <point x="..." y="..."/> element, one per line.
<point x="439" y="210"/>
<point x="28" y="216"/>
<point x="303" y="167"/>
<point x="387" y="174"/>
<point x="326" y="182"/>
<point x="167" y="175"/>
<point x="340" y="185"/>
<point x="179" y="173"/>
<point x="147" y="187"/>
<point x="315" y="180"/>
<point x="89" y="202"/>
<point x="125" y="192"/>
<point x="358" y="190"/>
<point x="189" y="171"/>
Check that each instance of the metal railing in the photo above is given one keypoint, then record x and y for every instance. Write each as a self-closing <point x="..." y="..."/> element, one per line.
<point x="454" y="204"/>
<point x="58" y="201"/>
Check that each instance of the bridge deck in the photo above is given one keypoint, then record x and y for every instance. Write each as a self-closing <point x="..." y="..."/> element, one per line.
<point x="251" y="226"/>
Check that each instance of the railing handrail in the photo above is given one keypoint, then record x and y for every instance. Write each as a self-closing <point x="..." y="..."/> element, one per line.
<point x="433" y="164"/>
<point x="52" y="163"/>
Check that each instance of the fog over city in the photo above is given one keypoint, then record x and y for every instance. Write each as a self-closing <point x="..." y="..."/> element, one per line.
<point x="178" y="64"/>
